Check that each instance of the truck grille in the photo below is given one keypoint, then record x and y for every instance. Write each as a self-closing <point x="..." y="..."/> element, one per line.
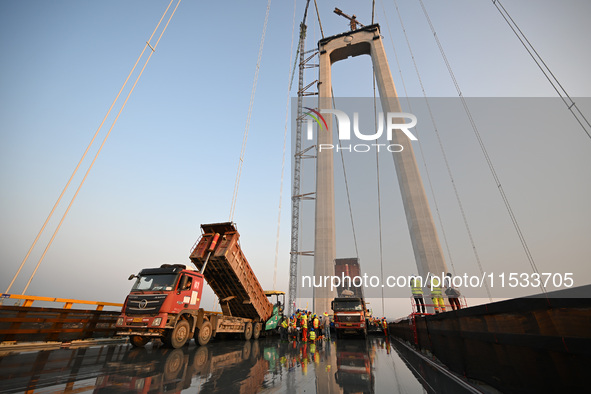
<point x="142" y="304"/>
<point x="349" y="318"/>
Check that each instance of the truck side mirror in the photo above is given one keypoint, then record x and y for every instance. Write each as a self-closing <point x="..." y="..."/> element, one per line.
<point x="332" y="305"/>
<point x="132" y="276"/>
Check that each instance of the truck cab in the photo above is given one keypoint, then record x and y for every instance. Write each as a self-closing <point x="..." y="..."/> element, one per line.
<point x="349" y="316"/>
<point x="163" y="303"/>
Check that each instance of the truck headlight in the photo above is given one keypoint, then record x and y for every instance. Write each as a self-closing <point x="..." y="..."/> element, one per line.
<point x="119" y="322"/>
<point x="156" y="321"/>
<point x="362" y="325"/>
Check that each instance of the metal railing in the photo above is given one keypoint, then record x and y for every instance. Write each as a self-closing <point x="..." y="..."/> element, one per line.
<point x="67" y="302"/>
<point x="447" y="305"/>
<point x="27" y="323"/>
<point x="436" y="307"/>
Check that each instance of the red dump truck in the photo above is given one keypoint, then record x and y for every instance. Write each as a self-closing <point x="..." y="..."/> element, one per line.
<point x="349" y="316"/>
<point x="164" y="302"/>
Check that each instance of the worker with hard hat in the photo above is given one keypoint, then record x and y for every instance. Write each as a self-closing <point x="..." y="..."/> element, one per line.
<point x="436" y="295"/>
<point x="416" y="284"/>
<point x="326" y="324"/>
<point x="304" y="325"/>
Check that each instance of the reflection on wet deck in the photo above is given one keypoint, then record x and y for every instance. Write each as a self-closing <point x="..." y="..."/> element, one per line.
<point x="267" y="365"/>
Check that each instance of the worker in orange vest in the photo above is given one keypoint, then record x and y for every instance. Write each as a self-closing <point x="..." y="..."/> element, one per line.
<point x="304" y="323"/>
<point x="385" y="327"/>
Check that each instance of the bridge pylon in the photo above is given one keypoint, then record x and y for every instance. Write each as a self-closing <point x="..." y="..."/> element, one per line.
<point x="425" y="241"/>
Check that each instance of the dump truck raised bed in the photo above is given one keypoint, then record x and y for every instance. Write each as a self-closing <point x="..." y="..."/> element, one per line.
<point x="231" y="278"/>
<point x="164" y="302"/>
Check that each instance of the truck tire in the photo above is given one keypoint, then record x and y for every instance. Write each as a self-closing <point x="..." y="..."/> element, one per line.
<point x="203" y="335"/>
<point x="248" y="331"/>
<point x="257" y="330"/>
<point x="137" y="341"/>
<point x="177" y="337"/>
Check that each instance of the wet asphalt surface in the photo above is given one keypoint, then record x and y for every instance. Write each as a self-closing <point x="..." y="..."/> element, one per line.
<point x="230" y="366"/>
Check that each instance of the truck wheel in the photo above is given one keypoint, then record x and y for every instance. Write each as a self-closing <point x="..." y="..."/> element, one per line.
<point x="137" y="341"/>
<point x="204" y="334"/>
<point x="257" y="330"/>
<point x="177" y="337"/>
<point x="248" y="331"/>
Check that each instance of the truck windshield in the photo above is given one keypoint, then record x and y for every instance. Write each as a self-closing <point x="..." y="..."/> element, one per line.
<point x="155" y="282"/>
<point x="347" y="306"/>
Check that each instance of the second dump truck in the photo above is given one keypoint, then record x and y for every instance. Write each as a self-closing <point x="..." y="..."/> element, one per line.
<point x="349" y="316"/>
<point x="164" y="302"/>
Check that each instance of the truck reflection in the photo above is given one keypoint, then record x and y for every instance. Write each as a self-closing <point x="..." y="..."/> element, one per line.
<point x="237" y="367"/>
<point x="149" y="371"/>
<point x="354" y="366"/>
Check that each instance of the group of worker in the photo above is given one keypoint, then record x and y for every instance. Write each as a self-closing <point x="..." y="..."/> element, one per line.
<point x="305" y="326"/>
<point x="451" y="292"/>
<point x="379" y="323"/>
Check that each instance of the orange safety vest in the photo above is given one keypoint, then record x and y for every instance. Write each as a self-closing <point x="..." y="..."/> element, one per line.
<point x="304" y="322"/>
<point x="315" y="323"/>
<point x="384" y="324"/>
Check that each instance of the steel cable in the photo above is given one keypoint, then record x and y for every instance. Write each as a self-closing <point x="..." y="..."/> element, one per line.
<point x="562" y="93"/>
<point x="249" y="115"/>
<point x="102" y="145"/>
<point x="484" y="151"/>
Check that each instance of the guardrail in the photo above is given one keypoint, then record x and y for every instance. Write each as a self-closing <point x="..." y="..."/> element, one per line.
<point x="530" y="344"/>
<point x="29" y="323"/>
<point x="67" y="302"/>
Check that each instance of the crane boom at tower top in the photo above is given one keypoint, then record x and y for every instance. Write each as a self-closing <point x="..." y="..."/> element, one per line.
<point x="352" y="19"/>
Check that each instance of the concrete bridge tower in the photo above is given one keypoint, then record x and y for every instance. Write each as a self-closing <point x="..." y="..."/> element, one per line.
<point x="425" y="242"/>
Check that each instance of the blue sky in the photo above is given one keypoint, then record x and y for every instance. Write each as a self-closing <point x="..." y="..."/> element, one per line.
<point x="171" y="160"/>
